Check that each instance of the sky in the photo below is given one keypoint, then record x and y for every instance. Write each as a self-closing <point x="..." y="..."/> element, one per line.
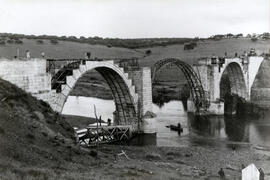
<point x="134" y="18"/>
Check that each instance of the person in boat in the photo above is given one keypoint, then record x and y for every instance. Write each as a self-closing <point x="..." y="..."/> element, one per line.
<point x="176" y="128"/>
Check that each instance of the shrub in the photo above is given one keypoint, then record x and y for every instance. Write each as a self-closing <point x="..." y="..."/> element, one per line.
<point x="10" y="41"/>
<point x="30" y="136"/>
<point x="40" y="41"/>
<point x="18" y="41"/>
<point x="153" y="156"/>
<point x="93" y="153"/>
<point x="188" y="46"/>
<point x="254" y="39"/>
<point x="2" y="42"/>
<point x="148" y="52"/>
<point x="54" y="41"/>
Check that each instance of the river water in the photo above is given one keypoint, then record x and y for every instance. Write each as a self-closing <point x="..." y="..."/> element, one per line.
<point x="210" y="131"/>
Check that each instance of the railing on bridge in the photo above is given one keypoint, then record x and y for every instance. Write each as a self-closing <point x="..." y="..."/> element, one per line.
<point x="60" y="68"/>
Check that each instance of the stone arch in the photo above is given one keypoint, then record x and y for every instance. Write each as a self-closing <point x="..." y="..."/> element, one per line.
<point x="122" y="89"/>
<point x="233" y="74"/>
<point x="197" y="92"/>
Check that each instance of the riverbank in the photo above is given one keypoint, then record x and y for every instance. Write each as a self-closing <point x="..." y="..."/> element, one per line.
<point x="145" y="163"/>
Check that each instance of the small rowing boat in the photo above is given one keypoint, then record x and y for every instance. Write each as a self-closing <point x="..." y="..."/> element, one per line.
<point x="176" y="128"/>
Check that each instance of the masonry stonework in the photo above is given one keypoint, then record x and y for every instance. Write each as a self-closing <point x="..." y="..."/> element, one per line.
<point x="30" y="75"/>
<point x="241" y="72"/>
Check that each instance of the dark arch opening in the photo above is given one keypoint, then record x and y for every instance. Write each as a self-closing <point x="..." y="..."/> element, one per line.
<point x="232" y="88"/>
<point x="193" y="81"/>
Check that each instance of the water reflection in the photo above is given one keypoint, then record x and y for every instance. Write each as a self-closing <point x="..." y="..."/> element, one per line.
<point x="206" y="126"/>
<point x="232" y="128"/>
<point x="196" y="130"/>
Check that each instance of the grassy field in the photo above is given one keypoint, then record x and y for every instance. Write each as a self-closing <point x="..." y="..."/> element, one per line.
<point x="205" y="48"/>
<point x="64" y="49"/>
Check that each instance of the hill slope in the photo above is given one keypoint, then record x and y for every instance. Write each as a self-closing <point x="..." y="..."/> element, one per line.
<point x="33" y="138"/>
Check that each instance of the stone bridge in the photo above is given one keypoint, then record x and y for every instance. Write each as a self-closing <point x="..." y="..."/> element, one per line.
<point x="132" y="91"/>
<point x="132" y="88"/>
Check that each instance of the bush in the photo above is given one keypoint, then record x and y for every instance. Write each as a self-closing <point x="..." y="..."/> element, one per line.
<point x="2" y="42"/>
<point x="18" y="41"/>
<point x="54" y="41"/>
<point x="188" y="46"/>
<point x="153" y="156"/>
<point x="40" y="41"/>
<point x="254" y="39"/>
<point x="10" y="41"/>
<point x="148" y="52"/>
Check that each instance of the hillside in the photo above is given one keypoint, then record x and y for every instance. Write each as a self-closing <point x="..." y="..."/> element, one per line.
<point x="32" y="136"/>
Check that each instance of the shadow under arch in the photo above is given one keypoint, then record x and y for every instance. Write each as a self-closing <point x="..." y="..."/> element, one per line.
<point x="233" y="89"/>
<point x="194" y="82"/>
<point x="232" y="81"/>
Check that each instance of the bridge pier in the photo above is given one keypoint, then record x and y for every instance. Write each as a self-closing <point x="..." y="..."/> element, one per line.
<point x="141" y="78"/>
<point x="239" y="72"/>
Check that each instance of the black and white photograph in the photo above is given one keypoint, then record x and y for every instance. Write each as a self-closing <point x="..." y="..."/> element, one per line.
<point x="134" y="90"/>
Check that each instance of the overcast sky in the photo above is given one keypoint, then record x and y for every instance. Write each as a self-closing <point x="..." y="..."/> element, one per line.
<point x="134" y="18"/>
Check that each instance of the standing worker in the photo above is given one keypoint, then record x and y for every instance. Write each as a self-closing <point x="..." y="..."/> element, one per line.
<point x="261" y="174"/>
<point x="109" y="122"/>
<point x="221" y="174"/>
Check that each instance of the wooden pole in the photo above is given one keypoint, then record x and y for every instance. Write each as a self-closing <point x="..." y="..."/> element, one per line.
<point x="95" y="111"/>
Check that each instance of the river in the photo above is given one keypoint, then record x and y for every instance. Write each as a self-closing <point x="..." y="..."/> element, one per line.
<point x="211" y="131"/>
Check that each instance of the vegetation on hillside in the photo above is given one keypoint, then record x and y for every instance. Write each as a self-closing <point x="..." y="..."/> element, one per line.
<point x="109" y="42"/>
<point x="126" y="43"/>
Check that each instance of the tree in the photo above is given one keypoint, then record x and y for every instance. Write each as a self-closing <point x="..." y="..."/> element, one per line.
<point x="229" y="35"/>
<point x="248" y="36"/>
<point x="266" y="35"/>
<point x="72" y="37"/>
<point x="82" y="38"/>
<point x="239" y="35"/>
